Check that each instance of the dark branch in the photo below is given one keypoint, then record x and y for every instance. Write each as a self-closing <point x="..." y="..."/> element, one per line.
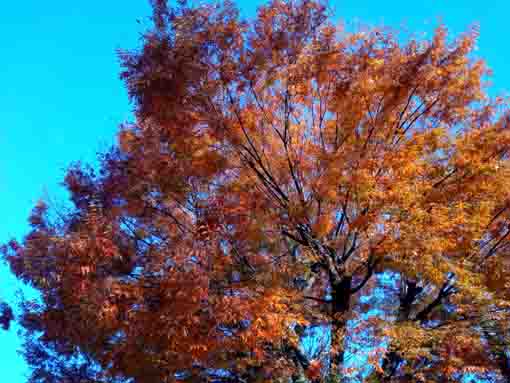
<point x="446" y="290"/>
<point x="370" y="271"/>
<point x="318" y="299"/>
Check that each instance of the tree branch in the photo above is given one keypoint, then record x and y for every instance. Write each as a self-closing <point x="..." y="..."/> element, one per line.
<point x="446" y="290"/>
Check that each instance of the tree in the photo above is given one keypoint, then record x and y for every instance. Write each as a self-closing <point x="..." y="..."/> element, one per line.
<point x="273" y="168"/>
<point x="6" y="315"/>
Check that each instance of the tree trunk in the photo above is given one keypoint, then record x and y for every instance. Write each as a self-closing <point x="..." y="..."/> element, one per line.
<point x="341" y="296"/>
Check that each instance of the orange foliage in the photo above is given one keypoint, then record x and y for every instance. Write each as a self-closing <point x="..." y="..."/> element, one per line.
<point x="262" y="155"/>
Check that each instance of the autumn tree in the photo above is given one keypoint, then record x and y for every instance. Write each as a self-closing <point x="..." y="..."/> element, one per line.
<point x="274" y="166"/>
<point x="6" y="315"/>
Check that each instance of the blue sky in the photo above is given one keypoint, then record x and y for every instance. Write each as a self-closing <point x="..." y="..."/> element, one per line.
<point x="61" y="99"/>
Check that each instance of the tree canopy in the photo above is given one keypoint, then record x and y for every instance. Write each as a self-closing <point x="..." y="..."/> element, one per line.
<point x="274" y="167"/>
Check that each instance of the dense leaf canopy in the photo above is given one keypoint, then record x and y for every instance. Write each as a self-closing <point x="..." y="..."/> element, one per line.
<point x="274" y="167"/>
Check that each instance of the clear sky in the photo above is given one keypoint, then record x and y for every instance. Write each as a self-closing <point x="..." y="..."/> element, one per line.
<point x="61" y="99"/>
